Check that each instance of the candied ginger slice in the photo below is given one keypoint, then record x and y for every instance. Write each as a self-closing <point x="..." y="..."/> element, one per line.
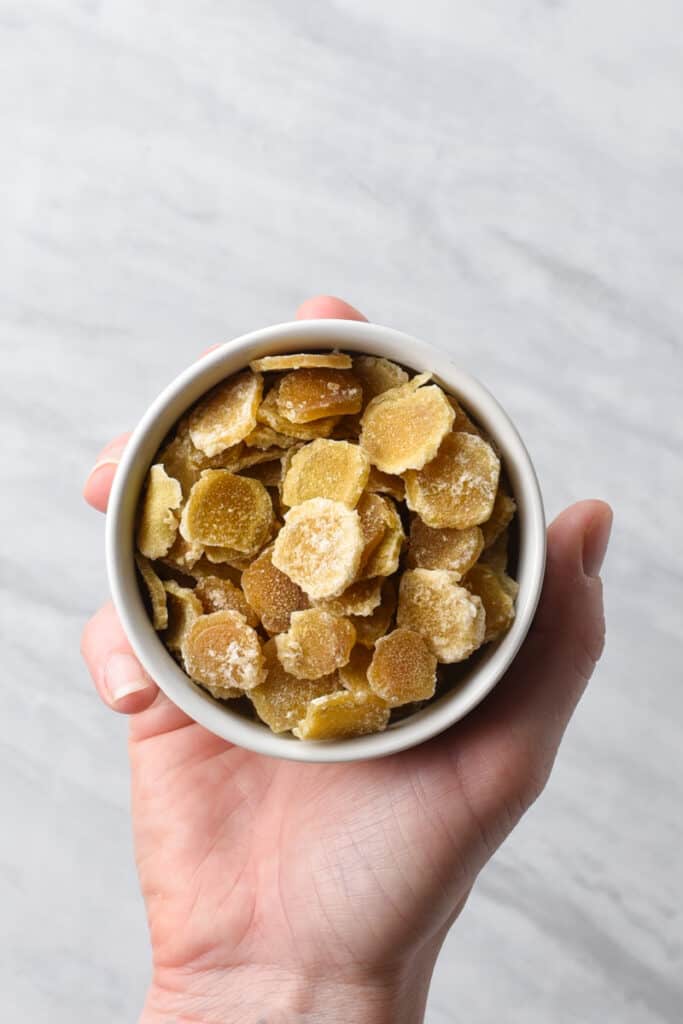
<point x="447" y="616"/>
<point x="497" y="555"/>
<point x="319" y="547"/>
<point x="448" y="548"/>
<point x="497" y="592"/>
<point x="403" y="428"/>
<point x="458" y="487"/>
<point x="370" y="627"/>
<point x="305" y="395"/>
<point x="377" y="375"/>
<point x="178" y="459"/>
<point x="221" y="649"/>
<point x="462" y="422"/>
<point x="269" y="413"/>
<point x="228" y="511"/>
<point x="217" y="595"/>
<point x="403" y="669"/>
<point x="271" y="593"/>
<point x="316" y="644"/>
<point x="183" y="608"/>
<point x="155" y="591"/>
<point x="326" y="469"/>
<point x="227" y="414"/>
<point x="385" y="483"/>
<point x="281" y="700"/>
<point x="374" y="524"/>
<point x="263" y="436"/>
<point x="503" y="510"/>
<point x="385" y="558"/>
<point x="354" y="675"/>
<point x="361" y="598"/>
<point x="301" y="361"/>
<point x="158" y="524"/>
<point x="343" y="714"/>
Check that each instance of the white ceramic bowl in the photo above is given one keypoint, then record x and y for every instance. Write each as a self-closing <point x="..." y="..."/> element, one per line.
<point x="318" y="335"/>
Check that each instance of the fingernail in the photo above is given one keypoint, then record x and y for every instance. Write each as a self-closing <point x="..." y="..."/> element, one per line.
<point x="595" y="542"/>
<point x="124" y="675"/>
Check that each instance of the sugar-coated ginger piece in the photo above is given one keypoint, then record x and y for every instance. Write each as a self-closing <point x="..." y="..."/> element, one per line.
<point x="361" y="598"/>
<point x="319" y="547"/>
<point x="462" y="421"/>
<point x="503" y="510"/>
<point x="281" y="700"/>
<point x="226" y="510"/>
<point x="385" y="558"/>
<point x="183" y="608"/>
<point x="403" y="669"/>
<point x="354" y="675"/>
<point x="385" y="483"/>
<point x="497" y="555"/>
<point x="269" y="413"/>
<point x="226" y="556"/>
<point x="306" y="395"/>
<point x="155" y="591"/>
<point x="447" y="616"/>
<point x="455" y="550"/>
<point x="326" y="469"/>
<point x="301" y="361"/>
<point x="158" y="523"/>
<point x="256" y="456"/>
<point x="227" y="414"/>
<point x="316" y="644"/>
<point x="497" y="592"/>
<point x="217" y="595"/>
<point x="343" y="714"/>
<point x="369" y="628"/>
<point x="222" y="650"/>
<point x="271" y="593"/>
<point x="223" y="570"/>
<point x="377" y="375"/>
<point x="263" y="436"/>
<point x="182" y="555"/>
<point x="178" y="458"/>
<point x="374" y="524"/>
<point x="403" y="428"/>
<point x="457" y="488"/>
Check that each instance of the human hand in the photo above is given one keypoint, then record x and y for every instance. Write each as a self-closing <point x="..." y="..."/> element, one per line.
<point x="279" y="891"/>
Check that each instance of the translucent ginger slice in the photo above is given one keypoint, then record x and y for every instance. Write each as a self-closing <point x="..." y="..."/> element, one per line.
<point x="177" y="459"/>
<point x="354" y="675"/>
<point x="361" y="598"/>
<point x="217" y="595"/>
<point x="385" y="558"/>
<point x="281" y="700"/>
<point x="343" y="714"/>
<point x="377" y="375"/>
<point x="503" y="510"/>
<point x="269" y="413"/>
<point x="403" y="669"/>
<point x="369" y="628"/>
<point x="263" y="436"/>
<point x="271" y="593"/>
<point x="403" y="428"/>
<point x="229" y="511"/>
<point x="155" y="591"/>
<point x="183" y="608"/>
<point x="497" y="592"/>
<point x="497" y="555"/>
<point x="385" y="483"/>
<point x="455" y="550"/>
<point x="183" y="555"/>
<point x="257" y="456"/>
<point x="227" y="414"/>
<point x="462" y="421"/>
<point x="374" y="523"/>
<point x="302" y="360"/>
<point x="458" y="487"/>
<point x="316" y="644"/>
<point x="319" y="547"/>
<point x="158" y="524"/>
<point x="227" y="556"/>
<point x="306" y="395"/>
<point x="447" y="616"/>
<point x="222" y="650"/>
<point x="326" y="469"/>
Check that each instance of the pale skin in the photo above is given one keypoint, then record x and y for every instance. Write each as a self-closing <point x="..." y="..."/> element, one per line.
<point x="281" y="892"/>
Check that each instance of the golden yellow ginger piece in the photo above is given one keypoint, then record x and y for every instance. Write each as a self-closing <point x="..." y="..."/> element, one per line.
<point x="326" y="469"/>
<point x="403" y="669"/>
<point x="269" y="473"/>
<point x="305" y="395"/>
<point x="256" y="456"/>
<point x="361" y="598"/>
<point x="281" y="701"/>
<point x="369" y="628"/>
<point x="377" y="375"/>
<point x="504" y="508"/>
<point x="497" y="592"/>
<point x="222" y="650"/>
<point x="447" y="616"/>
<point x="227" y="556"/>
<point x="316" y="644"/>
<point x="462" y="421"/>
<point x="385" y="483"/>
<point x="155" y="591"/>
<point x="178" y="459"/>
<point x="158" y="524"/>
<point x="228" y="511"/>
<point x="182" y="555"/>
<point x="319" y="547"/>
<point x="301" y="361"/>
<point x="263" y="436"/>
<point x="458" y="487"/>
<point x="403" y="428"/>
<point x="269" y="413"/>
<point x="385" y="558"/>
<point x="455" y="550"/>
<point x="183" y="608"/>
<point x="374" y="521"/>
<point x="343" y="714"/>
<point x="227" y="414"/>
<point x="497" y="555"/>
<point x="204" y="568"/>
<point x="271" y="593"/>
<point x="354" y="675"/>
<point x="217" y="595"/>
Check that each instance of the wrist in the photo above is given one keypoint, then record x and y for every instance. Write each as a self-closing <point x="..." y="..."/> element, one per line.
<point x="249" y="994"/>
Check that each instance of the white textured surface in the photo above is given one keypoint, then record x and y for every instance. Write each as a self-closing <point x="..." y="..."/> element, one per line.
<point x="501" y="178"/>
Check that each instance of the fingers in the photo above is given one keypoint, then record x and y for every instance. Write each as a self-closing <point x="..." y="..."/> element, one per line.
<point x="98" y="485"/>
<point x="121" y="681"/>
<point x="327" y="307"/>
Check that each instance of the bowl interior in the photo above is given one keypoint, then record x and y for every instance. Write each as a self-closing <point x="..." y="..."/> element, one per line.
<point x="478" y="675"/>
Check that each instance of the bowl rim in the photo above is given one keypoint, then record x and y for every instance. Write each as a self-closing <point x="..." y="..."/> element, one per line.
<point x="180" y="394"/>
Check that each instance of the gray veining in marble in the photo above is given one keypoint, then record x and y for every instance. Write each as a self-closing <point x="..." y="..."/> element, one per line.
<point x="504" y="179"/>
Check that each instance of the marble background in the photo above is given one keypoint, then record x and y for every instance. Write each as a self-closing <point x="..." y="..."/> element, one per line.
<point x="505" y="179"/>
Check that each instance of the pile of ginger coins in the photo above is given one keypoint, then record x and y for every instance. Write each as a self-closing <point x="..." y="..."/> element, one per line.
<point x="320" y="534"/>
